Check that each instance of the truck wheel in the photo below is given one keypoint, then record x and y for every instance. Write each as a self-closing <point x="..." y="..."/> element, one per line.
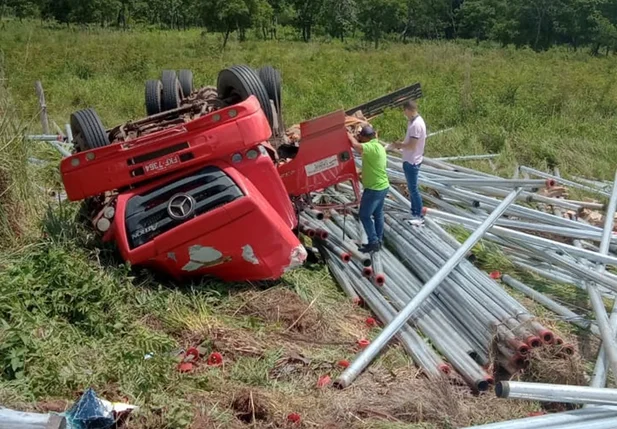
<point x="271" y="78"/>
<point x="154" y="88"/>
<point x="186" y="82"/>
<point x="88" y="130"/>
<point x="241" y="82"/>
<point x="172" y="91"/>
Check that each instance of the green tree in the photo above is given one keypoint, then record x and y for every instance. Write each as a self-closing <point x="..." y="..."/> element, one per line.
<point x="380" y="17"/>
<point x="340" y="17"/>
<point x="307" y="13"/>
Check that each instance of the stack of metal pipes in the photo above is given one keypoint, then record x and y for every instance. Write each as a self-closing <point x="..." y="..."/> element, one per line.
<point x="470" y="320"/>
<point x="556" y="246"/>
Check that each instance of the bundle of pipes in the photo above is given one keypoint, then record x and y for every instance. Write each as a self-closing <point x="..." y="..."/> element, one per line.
<point x="467" y="324"/>
<point x="423" y="281"/>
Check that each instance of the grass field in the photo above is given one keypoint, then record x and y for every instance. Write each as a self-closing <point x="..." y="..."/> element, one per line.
<point x="72" y="316"/>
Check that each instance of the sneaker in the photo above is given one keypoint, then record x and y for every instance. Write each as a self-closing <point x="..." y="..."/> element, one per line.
<point x="370" y="248"/>
<point x="416" y="221"/>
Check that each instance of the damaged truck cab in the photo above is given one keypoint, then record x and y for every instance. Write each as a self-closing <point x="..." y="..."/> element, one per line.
<point x="208" y="195"/>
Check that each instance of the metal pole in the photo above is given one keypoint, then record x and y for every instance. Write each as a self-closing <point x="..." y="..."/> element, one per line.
<point x="556" y="393"/>
<point x="510" y="183"/>
<point x="563" y="181"/>
<point x="468" y="157"/>
<point x="600" y="371"/>
<point x="566" y="314"/>
<point x="38" y="86"/>
<point x="539" y="242"/>
<point x="390" y="331"/>
<point x="580" y="417"/>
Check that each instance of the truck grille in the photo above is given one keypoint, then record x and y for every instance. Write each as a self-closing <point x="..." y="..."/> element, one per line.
<point x="147" y="215"/>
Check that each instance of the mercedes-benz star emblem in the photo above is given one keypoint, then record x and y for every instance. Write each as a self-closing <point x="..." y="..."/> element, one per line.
<point x="181" y="206"/>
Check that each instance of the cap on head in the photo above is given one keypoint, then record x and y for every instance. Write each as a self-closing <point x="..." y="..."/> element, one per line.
<point x="367" y="131"/>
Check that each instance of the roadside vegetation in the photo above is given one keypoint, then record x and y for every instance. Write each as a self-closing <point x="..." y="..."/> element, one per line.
<point x="72" y="315"/>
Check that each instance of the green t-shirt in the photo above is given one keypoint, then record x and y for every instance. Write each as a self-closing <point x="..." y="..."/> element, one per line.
<point x="374" y="164"/>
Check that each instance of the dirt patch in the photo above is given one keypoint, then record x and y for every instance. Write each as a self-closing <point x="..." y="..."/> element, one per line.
<point x="228" y="341"/>
<point x="250" y="407"/>
<point x="284" y="307"/>
<point x="53" y="405"/>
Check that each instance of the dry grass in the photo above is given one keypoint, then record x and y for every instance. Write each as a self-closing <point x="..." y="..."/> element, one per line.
<point x="551" y="365"/>
<point x="282" y="306"/>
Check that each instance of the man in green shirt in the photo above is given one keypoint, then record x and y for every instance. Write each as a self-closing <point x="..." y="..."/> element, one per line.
<point x="376" y="185"/>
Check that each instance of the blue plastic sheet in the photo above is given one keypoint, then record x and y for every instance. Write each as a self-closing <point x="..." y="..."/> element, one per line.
<point x="89" y="412"/>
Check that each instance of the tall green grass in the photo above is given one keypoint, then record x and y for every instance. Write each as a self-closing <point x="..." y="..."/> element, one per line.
<point x="16" y="186"/>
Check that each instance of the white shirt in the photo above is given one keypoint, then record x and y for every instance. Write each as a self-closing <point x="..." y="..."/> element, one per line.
<point x="416" y="129"/>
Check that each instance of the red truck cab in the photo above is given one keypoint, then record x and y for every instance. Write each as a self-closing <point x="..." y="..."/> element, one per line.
<point x="206" y="198"/>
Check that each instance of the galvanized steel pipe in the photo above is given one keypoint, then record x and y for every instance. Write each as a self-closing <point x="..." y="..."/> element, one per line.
<point x="556" y="393"/>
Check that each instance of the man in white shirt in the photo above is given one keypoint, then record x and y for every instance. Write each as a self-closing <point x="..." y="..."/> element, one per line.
<point x="412" y="149"/>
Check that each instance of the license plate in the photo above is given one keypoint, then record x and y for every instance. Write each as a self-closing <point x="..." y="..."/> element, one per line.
<point x="321" y="165"/>
<point x="161" y="164"/>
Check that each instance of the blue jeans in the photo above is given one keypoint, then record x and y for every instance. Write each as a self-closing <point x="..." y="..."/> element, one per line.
<point x="371" y="207"/>
<point x="411" y="174"/>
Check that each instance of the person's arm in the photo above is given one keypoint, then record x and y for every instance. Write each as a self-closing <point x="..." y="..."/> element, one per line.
<point x="411" y="140"/>
<point x="357" y="146"/>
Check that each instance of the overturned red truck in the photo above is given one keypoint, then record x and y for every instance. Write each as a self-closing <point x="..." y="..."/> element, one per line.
<point x="208" y="183"/>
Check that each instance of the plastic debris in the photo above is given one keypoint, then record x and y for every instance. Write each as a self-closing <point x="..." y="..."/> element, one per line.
<point x="92" y="412"/>
<point x="294" y="418"/>
<point x="215" y="359"/>
<point x="323" y="381"/>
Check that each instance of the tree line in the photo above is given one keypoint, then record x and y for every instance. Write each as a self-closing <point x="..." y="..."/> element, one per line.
<point x="538" y="24"/>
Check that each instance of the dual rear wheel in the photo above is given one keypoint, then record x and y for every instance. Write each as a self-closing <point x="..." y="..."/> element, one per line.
<point x="234" y="84"/>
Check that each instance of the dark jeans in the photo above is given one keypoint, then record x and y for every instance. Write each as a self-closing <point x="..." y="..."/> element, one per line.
<point x="371" y="207"/>
<point x="411" y="174"/>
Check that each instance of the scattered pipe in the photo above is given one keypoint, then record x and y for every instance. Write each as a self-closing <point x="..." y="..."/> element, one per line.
<point x="556" y="393"/>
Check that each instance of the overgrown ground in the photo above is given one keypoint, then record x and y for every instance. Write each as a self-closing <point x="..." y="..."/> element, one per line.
<point x="72" y="316"/>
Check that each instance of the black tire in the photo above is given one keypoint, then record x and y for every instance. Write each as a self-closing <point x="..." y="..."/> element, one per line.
<point x="172" y="91"/>
<point x="242" y="81"/>
<point x="271" y="78"/>
<point x="88" y="130"/>
<point x="154" y="90"/>
<point x="186" y="82"/>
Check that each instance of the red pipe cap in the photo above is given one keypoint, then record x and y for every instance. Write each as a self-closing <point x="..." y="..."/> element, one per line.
<point x="185" y="367"/>
<point x="444" y="368"/>
<point x="343" y="363"/>
<point x="346" y="257"/>
<point x="358" y="301"/>
<point x="193" y="353"/>
<point x="370" y="322"/>
<point x="323" y="381"/>
<point x="547" y="336"/>
<point x="495" y="275"/>
<point x="294" y="418"/>
<point x="534" y="342"/>
<point x="550" y="183"/>
<point x="215" y="359"/>
<point x="363" y="343"/>
<point x="380" y="280"/>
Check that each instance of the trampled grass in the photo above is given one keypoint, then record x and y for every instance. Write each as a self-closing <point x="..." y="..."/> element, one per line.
<point x="74" y="316"/>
